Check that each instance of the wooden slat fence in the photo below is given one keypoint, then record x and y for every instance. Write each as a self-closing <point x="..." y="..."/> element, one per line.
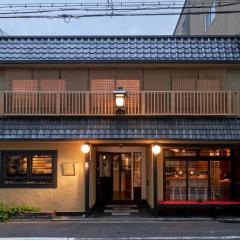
<point x="137" y="103"/>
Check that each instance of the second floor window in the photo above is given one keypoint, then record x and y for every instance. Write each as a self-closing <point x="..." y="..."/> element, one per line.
<point x="210" y="16"/>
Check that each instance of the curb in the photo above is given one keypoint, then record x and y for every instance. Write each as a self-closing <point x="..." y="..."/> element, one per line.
<point x="96" y="220"/>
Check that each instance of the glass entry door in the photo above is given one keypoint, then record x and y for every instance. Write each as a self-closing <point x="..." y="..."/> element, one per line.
<point x="104" y="178"/>
<point x="122" y="176"/>
<point x="118" y="176"/>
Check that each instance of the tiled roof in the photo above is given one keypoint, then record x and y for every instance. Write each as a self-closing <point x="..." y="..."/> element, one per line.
<point x="207" y="129"/>
<point x="79" y="49"/>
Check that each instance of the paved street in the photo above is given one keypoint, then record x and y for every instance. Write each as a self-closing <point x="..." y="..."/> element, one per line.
<point x="122" y="230"/>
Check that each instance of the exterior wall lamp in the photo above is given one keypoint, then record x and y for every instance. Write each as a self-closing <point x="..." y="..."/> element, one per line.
<point x="120" y="100"/>
<point x="85" y="148"/>
<point x="156" y="149"/>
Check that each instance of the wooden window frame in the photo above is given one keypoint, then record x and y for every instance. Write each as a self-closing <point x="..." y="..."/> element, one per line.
<point x="29" y="154"/>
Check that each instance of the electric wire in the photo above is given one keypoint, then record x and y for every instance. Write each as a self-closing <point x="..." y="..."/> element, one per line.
<point x="110" y="8"/>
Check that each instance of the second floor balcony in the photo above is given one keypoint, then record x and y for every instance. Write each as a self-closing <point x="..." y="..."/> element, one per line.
<point x="147" y="103"/>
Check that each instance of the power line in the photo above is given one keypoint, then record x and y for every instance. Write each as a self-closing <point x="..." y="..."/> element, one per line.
<point x="77" y="16"/>
<point x="110" y="8"/>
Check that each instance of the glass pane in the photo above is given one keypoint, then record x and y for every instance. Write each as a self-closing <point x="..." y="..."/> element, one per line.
<point x="126" y="180"/>
<point x="105" y="165"/>
<point x="175" y="173"/>
<point x="137" y="180"/>
<point x="220" y="180"/>
<point x="116" y="173"/>
<point x="137" y="158"/>
<point x="16" y="165"/>
<point x="42" y="165"/>
<point x="198" y="180"/>
<point x="197" y="152"/>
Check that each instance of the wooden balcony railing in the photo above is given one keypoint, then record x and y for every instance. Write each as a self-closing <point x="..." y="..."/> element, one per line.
<point x="139" y="103"/>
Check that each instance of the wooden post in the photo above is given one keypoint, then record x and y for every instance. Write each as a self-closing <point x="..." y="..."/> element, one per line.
<point x="1" y="103"/>
<point x="143" y="102"/>
<point x="155" y="184"/>
<point x="229" y="99"/>
<point x="173" y="103"/>
<point x="238" y="104"/>
<point x="58" y="103"/>
<point x="87" y="185"/>
<point x="87" y="103"/>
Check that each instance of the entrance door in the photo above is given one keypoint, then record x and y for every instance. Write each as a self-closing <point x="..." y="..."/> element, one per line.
<point x="122" y="176"/>
<point x="119" y="176"/>
<point x="104" y="178"/>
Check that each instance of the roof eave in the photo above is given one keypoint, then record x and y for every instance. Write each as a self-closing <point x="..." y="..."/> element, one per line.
<point x="121" y="62"/>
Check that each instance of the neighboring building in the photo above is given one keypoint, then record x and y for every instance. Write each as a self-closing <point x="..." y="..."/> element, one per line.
<point x="1" y="32"/>
<point x="57" y="94"/>
<point x="209" y="23"/>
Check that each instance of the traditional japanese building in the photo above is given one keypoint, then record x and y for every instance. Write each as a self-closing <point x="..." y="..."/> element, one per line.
<point x="96" y="119"/>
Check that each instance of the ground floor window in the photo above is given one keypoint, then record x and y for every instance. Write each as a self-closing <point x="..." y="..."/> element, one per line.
<point x="198" y="175"/>
<point x="28" y="169"/>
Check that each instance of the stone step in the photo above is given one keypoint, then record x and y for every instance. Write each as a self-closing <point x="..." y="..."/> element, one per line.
<point x="122" y="208"/>
<point x="121" y="205"/>
<point x="121" y="214"/>
<point x="121" y="211"/>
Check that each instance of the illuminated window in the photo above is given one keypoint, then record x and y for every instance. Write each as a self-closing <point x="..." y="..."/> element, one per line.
<point x="28" y="169"/>
<point x="198" y="174"/>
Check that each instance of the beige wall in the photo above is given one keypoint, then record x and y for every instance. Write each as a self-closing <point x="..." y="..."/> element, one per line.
<point x="150" y="177"/>
<point x="69" y="194"/>
<point x="223" y="24"/>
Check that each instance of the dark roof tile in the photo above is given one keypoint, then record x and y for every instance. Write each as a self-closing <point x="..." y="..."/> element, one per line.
<point x="207" y="129"/>
<point x="119" y="48"/>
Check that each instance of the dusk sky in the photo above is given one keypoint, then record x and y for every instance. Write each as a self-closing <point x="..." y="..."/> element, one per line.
<point x="144" y="25"/>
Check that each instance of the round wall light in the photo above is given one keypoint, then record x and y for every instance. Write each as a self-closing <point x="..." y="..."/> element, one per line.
<point x="156" y="149"/>
<point x="85" y="148"/>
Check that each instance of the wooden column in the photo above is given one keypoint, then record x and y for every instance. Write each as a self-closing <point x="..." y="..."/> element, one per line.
<point x="1" y="103"/>
<point x="155" y="183"/>
<point x="235" y="193"/>
<point x="87" y="184"/>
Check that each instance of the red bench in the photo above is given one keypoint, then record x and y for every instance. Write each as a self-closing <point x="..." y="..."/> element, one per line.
<point x="182" y="202"/>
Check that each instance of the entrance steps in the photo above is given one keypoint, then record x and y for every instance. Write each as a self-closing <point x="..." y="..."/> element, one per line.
<point x="121" y="210"/>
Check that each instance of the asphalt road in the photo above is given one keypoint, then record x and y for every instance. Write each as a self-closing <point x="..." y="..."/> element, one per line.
<point x="121" y="230"/>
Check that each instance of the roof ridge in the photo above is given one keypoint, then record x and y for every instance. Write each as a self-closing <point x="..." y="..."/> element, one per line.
<point x="120" y="36"/>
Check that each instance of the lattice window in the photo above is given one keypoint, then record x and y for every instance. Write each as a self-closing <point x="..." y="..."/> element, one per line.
<point x="208" y="85"/>
<point x="52" y="85"/>
<point x="157" y="80"/>
<point x="24" y="85"/>
<point x="183" y="84"/>
<point x="102" y="83"/>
